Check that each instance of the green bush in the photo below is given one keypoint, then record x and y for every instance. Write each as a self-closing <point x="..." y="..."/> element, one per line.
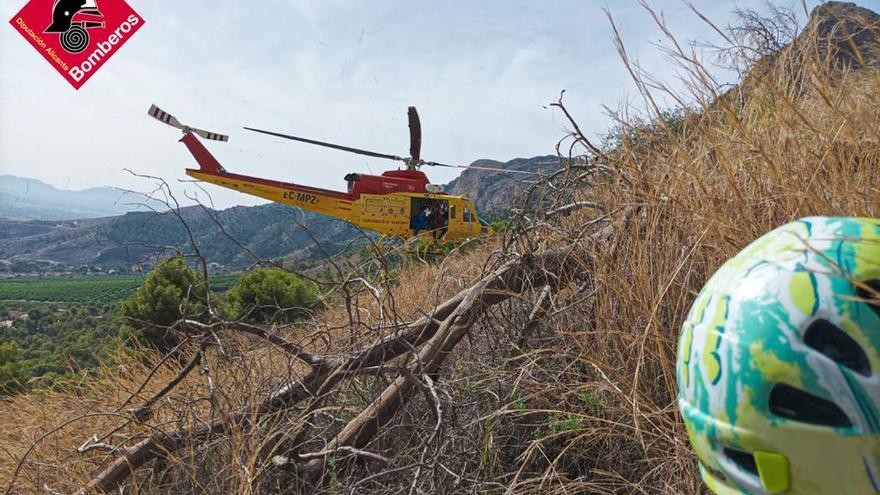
<point x="500" y="226"/>
<point x="271" y="296"/>
<point x="170" y="292"/>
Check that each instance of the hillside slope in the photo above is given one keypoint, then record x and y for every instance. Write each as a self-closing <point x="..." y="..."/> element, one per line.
<point x="269" y="231"/>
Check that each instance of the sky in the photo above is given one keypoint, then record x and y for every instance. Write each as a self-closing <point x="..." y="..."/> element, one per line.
<point x="481" y="74"/>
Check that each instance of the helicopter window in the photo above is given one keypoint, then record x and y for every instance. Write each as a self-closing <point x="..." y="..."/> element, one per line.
<point x="466" y="216"/>
<point x="374" y="206"/>
<point x="452" y="212"/>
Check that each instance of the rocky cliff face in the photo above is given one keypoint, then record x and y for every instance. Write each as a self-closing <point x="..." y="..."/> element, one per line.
<point x="851" y="33"/>
<point x="496" y="191"/>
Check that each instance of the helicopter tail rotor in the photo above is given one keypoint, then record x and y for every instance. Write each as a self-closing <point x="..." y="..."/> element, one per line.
<point x="162" y="116"/>
<point x="168" y="119"/>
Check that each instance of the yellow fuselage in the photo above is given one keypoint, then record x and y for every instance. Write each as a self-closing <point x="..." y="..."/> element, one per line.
<point x="388" y="214"/>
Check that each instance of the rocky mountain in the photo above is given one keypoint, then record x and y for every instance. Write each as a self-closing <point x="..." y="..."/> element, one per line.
<point x="853" y="33"/>
<point x="31" y="199"/>
<point x="494" y="191"/>
<point x="843" y="33"/>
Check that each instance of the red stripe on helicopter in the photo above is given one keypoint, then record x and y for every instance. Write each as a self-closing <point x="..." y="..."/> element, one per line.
<point x="274" y="183"/>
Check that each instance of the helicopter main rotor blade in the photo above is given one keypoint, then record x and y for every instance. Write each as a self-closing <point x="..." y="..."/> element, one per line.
<point x="330" y="145"/>
<point x="415" y="134"/>
<point x="476" y="167"/>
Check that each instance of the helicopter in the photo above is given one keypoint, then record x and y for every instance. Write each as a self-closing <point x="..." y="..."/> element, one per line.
<point x="399" y="203"/>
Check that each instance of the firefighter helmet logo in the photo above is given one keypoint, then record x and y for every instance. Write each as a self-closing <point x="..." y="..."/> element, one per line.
<point x="76" y="36"/>
<point x="72" y="19"/>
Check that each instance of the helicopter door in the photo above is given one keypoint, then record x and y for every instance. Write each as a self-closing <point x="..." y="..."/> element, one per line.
<point x="454" y="222"/>
<point x="428" y="214"/>
<point x="466" y="218"/>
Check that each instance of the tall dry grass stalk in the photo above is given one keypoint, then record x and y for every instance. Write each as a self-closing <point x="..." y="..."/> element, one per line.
<point x="569" y="390"/>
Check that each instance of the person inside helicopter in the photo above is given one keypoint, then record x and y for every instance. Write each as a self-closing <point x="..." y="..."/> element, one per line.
<point x="418" y="222"/>
<point x="431" y="215"/>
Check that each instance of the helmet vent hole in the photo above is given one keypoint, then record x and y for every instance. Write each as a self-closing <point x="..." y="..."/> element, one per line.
<point x="797" y="405"/>
<point x="871" y="295"/>
<point x="836" y="345"/>
<point x="743" y="460"/>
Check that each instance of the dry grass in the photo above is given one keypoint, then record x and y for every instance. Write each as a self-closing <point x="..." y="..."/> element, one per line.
<point x="586" y="403"/>
<point x="58" y="420"/>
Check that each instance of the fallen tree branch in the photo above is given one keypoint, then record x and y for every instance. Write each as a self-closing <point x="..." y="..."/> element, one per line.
<point x="285" y="345"/>
<point x="282" y="461"/>
<point x="571" y="207"/>
<point x="456" y="314"/>
<point x="540" y="309"/>
<point x="144" y="412"/>
<point x="360" y="430"/>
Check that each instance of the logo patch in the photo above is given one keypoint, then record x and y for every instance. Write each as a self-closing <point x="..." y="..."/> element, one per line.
<point x="77" y="36"/>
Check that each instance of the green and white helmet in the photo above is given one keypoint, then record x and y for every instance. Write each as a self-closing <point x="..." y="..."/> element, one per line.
<point x="779" y="363"/>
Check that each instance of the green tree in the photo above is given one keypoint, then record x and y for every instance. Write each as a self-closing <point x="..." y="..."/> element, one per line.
<point x="171" y="291"/>
<point x="271" y="296"/>
<point x="10" y="369"/>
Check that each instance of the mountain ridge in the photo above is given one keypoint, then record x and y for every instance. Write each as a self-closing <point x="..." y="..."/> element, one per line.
<point x="25" y="198"/>
<point x="127" y="241"/>
<point x="494" y="191"/>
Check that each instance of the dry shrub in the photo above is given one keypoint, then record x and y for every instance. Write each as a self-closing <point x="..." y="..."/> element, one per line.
<point x="588" y="404"/>
<point x="690" y="189"/>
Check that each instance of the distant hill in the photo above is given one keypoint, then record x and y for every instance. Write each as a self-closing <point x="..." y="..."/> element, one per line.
<point x="269" y="231"/>
<point x="494" y="191"/>
<point x="847" y="34"/>
<point x="31" y="199"/>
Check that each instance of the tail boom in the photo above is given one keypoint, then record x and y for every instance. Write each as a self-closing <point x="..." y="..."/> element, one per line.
<point x="332" y="203"/>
